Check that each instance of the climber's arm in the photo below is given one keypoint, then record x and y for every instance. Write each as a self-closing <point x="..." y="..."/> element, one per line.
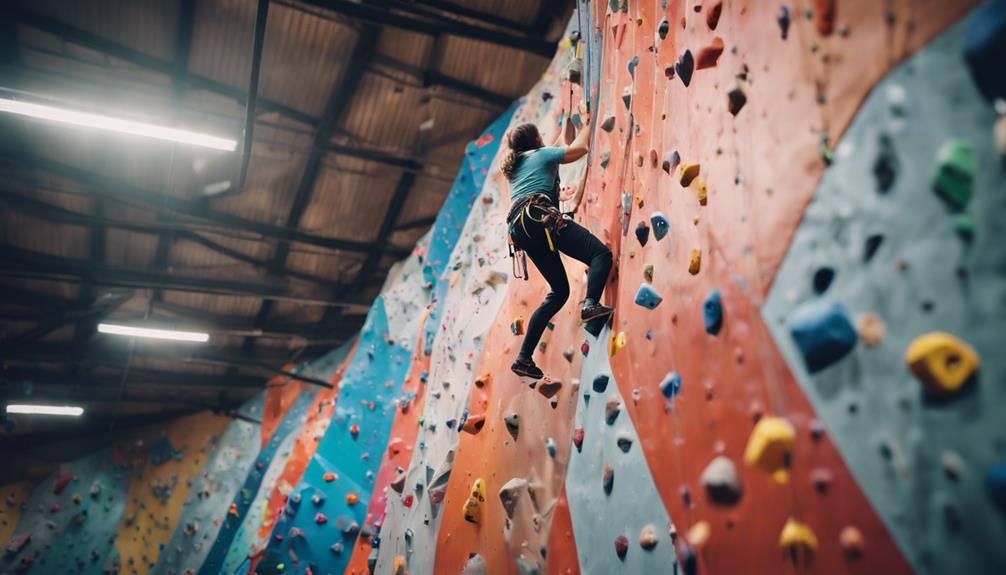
<point x="580" y="145"/>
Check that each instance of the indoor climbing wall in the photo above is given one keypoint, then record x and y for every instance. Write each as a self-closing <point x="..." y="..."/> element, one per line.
<point x="802" y="200"/>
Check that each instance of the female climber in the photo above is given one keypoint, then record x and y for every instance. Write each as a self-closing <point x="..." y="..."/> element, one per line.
<point x="538" y="228"/>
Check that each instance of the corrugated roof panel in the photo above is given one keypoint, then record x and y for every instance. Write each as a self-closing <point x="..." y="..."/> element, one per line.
<point x="273" y="177"/>
<point x="215" y="304"/>
<point x="350" y="205"/>
<point x="30" y="232"/>
<point x="336" y="265"/>
<point x="411" y="48"/>
<point x="130" y="249"/>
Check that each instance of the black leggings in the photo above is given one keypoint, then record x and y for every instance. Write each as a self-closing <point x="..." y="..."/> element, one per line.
<point x="575" y="241"/>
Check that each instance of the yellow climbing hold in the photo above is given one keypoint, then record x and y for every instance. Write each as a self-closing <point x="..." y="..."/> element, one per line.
<point x="942" y="362"/>
<point x="400" y="567"/>
<point x="616" y="343"/>
<point x="648" y="273"/>
<point x="473" y="507"/>
<point x="517" y="326"/>
<point x="702" y="193"/>
<point x="699" y="534"/>
<point x="770" y="446"/>
<point x="695" y="262"/>
<point x="798" y="540"/>
<point x="688" y="173"/>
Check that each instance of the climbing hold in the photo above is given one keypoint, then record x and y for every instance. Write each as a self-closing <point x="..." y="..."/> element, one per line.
<point x="549" y="387"/>
<point x="476" y="565"/>
<point x="695" y="262"/>
<point x="398" y="484"/>
<point x="712" y="312"/>
<point x="995" y="484"/>
<point x="687" y="559"/>
<point x="799" y="541"/>
<point x="736" y="98"/>
<point x="354" y="430"/>
<point x="62" y="480"/>
<point x="624" y="442"/>
<point x="621" y="546"/>
<point x="941" y="362"/>
<point x="713" y="15"/>
<point x="473" y="507"/>
<point x="660" y="225"/>
<point x="616" y="343"/>
<point x="474" y="424"/>
<point x="953" y="465"/>
<point x="886" y="166"/>
<point x="550" y="447"/>
<point x="821" y="479"/>
<point x="688" y="172"/>
<point x="605" y="158"/>
<point x="17" y="543"/>
<point x="574" y="71"/>
<point x="320" y="518"/>
<point x="627" y="98"/>
<point x="512" y="424"/>
<point x="608" y="478"/>
<point x="822" y="279"/>
<point x="611" y="410"/>
<point x="648" y="273"/>
<point x="352" y="498"/>
<point x="568" y="354"/>
<point x="510" y="494"/>
<point x="671" y="161"/>
<point x="399" y="566"/>
<point x="955" y="173"/>
<point x="648" y="537"/>
<point x="517" y="326"/>
<point x="585" y="348"/>
<point x="783" y="20"/>
<point x="710" y="55"/>
<point x="964" y="225"/>
<point x="871" y="329"/>
<point x="769" y="447"/>
<point x="851" y="540"/>
<point x="642" y="233"/>
<point x="632" y="66"/>
<point x="663" y="28"/>
<point x="600" y="383"/>
<point x="578" y="438"/>
<point x="329" y="476"/>
<point x="699" y="534"/>
<point x="671" y="385"/>
<point x="721" y="481"/>
<point x="647" y="297"/>
<point x="608" y="124"/>
<point x="871" y="246"/>
<point x="985" y="49"/>
<point x="822" y="332"/>
<point x="684" y="67"/>
<point x="702" y="193"/>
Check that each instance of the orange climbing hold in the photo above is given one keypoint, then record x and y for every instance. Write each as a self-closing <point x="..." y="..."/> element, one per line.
<point x="695" y="262"/>
<point x="710" y="55"/>
<point x="474" y="424"/>
<point x="352" y="498"/>
<point x="329" y="476"/>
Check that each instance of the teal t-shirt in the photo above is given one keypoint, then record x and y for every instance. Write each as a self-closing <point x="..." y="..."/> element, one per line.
<point x="536" y="174"/>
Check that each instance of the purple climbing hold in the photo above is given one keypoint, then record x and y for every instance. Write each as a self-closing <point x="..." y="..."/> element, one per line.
<point x="648" y="297"/>
<point x="660" y="225"/>
<point x="684" y="67"/>
<point x="642" y="233"/>
<point x="822" y="332"/>
<point x="671" y="385"/>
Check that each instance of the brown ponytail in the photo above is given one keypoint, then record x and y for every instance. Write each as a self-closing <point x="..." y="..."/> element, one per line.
<point x="521" y="139"/>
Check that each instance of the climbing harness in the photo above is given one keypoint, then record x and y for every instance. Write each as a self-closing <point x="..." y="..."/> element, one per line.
<point x="518" y="260"/>
<point x="549" y="218"/>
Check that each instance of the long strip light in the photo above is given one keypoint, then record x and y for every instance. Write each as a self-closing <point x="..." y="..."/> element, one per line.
<point x="147" y="332"/>
<point x="120" y="125"/>
<point x="26" y="409"/>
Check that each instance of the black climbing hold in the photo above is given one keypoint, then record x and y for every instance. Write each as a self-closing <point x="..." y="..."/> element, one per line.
<point x="872" y="245"/>
<point x="663" y="28"/>
<point x="684" y="67"/>
<point x="736" y="100"/>
<point x="642" y="233"/>
<point x="885" y="167"/>
<point x="822" y="279"/>
<point x="783" y="20"/>
<point x="600" y="383"/>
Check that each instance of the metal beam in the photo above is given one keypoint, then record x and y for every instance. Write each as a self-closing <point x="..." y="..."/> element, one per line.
<point x="420" y="223"/>
<point x="143" y="377"/>
<point x="378" y="156"/>
<point x="18" y="262"/>
<point x="247" y="139"/>
<point x="432" y="78"/>
<point x="491" y="19"/>
<point x="426" y="23"/>
<point x="101" y="186"/>
<point x="84" y="38"/>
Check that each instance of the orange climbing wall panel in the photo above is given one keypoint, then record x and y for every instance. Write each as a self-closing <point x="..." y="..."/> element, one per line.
<point x="148" y="521"/>
<point x="400" y="447"/>
<point x="12" y="495"/>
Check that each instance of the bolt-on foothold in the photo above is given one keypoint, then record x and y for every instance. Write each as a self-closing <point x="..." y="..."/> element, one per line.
<point x="398" y="483"/>
<point x="736" y="98"/>
<point x="647" y="297"/>
<point x="941" y="362"/>
<point x="477" y="496"/>
<point x="995" y="484"/>
<point x="621" y="546"/>
<point x="663" y="28"/>
<point x="476" y="565"/>
<point x="608" y="478"/>
<point x="474" y="424"/>
<point x="670" y="385"/>
<point x="578" y="434"/>
<point x="710" y="55"/>
<point x="698" y="534"/>
<point x="517" y="326"/>
<point x="549" y="387"/>
<point x="695" y="262"/>
<point x="600" y="383"/>
<point x="611" y="410"/>
<point x="871" y="329"/>
<point x="712" y="312"/>
<point x="624" y="441"/>
<point x="769" y="447"/>
<point x="648" y="272"/>
<point x="648" y="537"/>
<point x="798" y="541"/>
<point x="955" y="173"/>
<point x="721" y="481"/>
<point x="608" y="124"/>
<point x="784" y="21"/>
<point x="713" y="15"/>
<point x="684" y="67"/>
<point x="632" y="66"/>
<point x="642" y="233"/>
<point x="689" y="172"/>
<point x="510" y="494"/>
<point x="822" y="332"/>
<point x="660" y="225"/>
<point x="850" y="539"/>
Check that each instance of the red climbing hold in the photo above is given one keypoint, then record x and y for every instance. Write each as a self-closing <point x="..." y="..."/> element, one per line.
<point x="354" y="430"/>
<point x="710" y="55"/>
<point x="621" y="546"/>
<point x="713" y="15"/>
<point x="824" y="16"/>
<point x="62" y="481"/>
<point x="578" y="438"/>
<point x="320" y="518"/>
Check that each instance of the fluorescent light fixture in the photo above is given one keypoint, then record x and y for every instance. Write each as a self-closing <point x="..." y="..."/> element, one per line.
<point x="100" y="122"/>
<point x="25" y="409"/>
<point x="153" y="333"/>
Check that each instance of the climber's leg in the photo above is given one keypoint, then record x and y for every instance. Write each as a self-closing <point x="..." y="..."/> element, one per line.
<point x="577" y="242"/>
<point x="550" y="265"/>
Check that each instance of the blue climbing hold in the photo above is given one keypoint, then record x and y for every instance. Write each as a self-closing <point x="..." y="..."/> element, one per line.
<point x="648" y="297"/>
<point x="995" y="484"/>
<point x="985" y="49"/>
<point x="632" y="66"/>
<point x="671" y="385"/>
<point x="712" y="312"/>
<point x="600" y="383"/>
<point x="660" y="225"/>
<point x="823" y="332"/>
<point x="642" y="233"/>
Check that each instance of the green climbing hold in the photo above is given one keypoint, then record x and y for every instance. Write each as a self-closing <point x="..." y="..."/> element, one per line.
<point x="955" y="173"/>
<point x="964" y="225"/>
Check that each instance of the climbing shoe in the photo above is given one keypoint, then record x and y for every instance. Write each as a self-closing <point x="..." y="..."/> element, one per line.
<point x="526" y="368"/>
<point x="593" y="310"/>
